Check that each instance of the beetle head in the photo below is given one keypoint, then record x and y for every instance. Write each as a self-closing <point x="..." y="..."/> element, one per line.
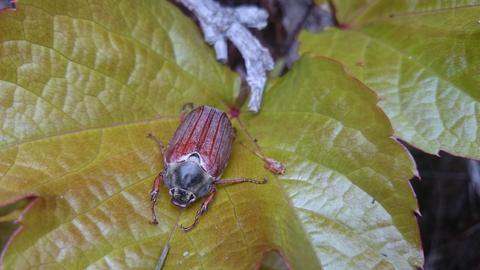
<point x="182" y="197"/>
<point x="187" y="181"/>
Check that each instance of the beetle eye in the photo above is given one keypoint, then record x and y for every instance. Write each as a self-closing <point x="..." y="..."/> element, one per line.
<point x="191" y="197"/>
<point x="170" y="191"/>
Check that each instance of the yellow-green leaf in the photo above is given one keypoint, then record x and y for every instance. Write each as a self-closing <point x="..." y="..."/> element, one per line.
<point x="82" y="84"/>
<point x="422" y="59"/>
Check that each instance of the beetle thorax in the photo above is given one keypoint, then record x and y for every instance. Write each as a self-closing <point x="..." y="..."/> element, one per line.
<point x="187" y="181"/>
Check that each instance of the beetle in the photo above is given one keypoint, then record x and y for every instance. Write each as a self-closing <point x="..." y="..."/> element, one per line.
<point x="195" y="159"/>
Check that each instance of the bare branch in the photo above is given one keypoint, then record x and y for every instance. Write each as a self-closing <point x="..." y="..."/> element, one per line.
<point x="220" y="23"/>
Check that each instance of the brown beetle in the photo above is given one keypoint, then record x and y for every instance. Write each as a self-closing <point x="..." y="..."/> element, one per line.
<point x="195" y="158"/>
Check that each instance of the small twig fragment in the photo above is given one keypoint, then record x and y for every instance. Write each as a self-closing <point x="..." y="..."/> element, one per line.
<point x="163" y="257"/>
<point x="166" y="248"/>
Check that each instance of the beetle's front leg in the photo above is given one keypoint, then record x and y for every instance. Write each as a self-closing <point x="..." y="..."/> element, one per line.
<point x="154" y="196"/>
<point x="202" y="210"/>
<point x="159" y="142"/>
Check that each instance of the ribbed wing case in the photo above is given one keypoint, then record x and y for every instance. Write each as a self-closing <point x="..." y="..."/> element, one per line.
<point x="206" y="131"/>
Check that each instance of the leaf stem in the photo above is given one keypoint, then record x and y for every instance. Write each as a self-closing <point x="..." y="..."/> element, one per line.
<point x="166" y="248"/>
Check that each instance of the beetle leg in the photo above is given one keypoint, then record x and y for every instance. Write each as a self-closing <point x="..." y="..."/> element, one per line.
<point x="244" y="128"/>
<point x="240" y="180"/>
<point x="234" y="133"/>
<point x="186" y="108"/>
<point x="154" y="196"/>
<point x="201" y="211"/>
<point x="159" y="142"/>
<point x="269" y="163"/>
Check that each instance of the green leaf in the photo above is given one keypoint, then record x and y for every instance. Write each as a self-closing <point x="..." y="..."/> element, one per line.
<point x="82" y="84"/>
<point x="422" y="59"/>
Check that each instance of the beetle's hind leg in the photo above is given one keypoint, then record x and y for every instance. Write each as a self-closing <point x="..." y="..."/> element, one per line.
<point x="201" y="211"/>
<point x="240" y="180"/>
<point x="270" y="163"/>
<point x="154" y="196"/>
